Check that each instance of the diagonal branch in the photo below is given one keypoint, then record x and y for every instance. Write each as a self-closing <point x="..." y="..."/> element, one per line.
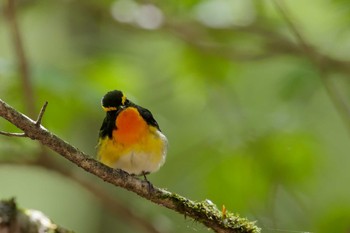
<point x="320" y="63"/>
<point x="204" y="212"/>
<point x="280" y="6"/>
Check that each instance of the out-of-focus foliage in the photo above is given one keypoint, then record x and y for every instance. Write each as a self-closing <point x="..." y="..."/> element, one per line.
<point x="250" y="122"/>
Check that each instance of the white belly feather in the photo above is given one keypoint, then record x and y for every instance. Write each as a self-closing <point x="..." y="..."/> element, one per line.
<point x="138" y="163"/>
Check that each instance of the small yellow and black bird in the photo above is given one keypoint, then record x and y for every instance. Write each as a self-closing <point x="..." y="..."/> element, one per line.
<point x="130" y="138"/>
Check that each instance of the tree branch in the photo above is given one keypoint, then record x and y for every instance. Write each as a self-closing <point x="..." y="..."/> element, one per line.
<point x="321" y="63"/>
<point x="204" y="212"/>
<point x="15" y="220"/>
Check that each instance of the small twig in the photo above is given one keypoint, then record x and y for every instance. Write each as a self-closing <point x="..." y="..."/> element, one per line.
<point x="41" y="114"/>
<point x="37" y="123"/>
<point x="13" y="134"/>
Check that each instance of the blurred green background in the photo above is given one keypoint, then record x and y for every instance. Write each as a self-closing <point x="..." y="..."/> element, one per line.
<point x="255" y="121"/>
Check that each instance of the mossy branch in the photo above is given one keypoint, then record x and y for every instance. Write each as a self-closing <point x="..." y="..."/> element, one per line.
<point x="204" y="212"/>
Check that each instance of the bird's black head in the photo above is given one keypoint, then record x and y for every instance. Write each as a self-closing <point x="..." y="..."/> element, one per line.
<point x="113" y="100"/>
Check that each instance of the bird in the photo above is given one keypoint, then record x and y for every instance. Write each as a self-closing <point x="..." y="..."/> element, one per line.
<point x="130" y="138"/>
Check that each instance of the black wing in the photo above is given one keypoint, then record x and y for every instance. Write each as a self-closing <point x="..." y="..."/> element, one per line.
<point x="108" y="124"/>
<point x="147" y="115"/>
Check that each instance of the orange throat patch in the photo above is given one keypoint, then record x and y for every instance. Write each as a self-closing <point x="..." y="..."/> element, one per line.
<point x="131" y="127"/>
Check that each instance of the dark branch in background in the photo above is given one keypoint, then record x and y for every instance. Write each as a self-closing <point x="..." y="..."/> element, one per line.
<point x="21" y="57"/>
<point x="116" y="207"/>
<point x="321" y="64"/>
<point x="204" y="212"/>
<point x="281" y="7"/>
<point x="197" y="36"/>
<point x="273" y="44"/>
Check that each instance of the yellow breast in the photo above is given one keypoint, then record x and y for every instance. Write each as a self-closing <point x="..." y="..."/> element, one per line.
<point x="135" y="146"/>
